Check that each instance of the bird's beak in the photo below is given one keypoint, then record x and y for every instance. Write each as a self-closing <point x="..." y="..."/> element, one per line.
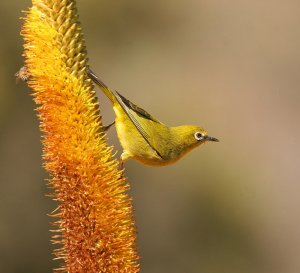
<point x="209" y="138"/>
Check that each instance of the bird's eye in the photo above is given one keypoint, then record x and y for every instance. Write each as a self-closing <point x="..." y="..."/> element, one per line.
<point x="198" y="136"/>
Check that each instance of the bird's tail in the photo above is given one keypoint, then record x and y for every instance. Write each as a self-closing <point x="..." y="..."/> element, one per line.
<point x="109" y="93"/>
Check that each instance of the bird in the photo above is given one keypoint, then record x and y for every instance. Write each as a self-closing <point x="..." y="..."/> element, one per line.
<point x="146" y="139"/>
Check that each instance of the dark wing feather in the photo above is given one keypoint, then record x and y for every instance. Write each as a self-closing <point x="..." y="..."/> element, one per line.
<point x="137" y="109"/>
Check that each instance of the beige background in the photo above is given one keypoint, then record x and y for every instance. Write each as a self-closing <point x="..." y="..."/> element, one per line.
<point x="231" y="66"/>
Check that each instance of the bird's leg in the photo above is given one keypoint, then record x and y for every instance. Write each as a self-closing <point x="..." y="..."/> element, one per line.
<point x="121" y="168"/>
<point x="121" y="163"/>
<point x="105" y="128"/>
<point x="124" y="156"/>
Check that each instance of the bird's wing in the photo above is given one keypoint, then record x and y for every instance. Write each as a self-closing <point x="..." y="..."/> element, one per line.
<point x="140" y="118"/>
<point x="137" y="109"/>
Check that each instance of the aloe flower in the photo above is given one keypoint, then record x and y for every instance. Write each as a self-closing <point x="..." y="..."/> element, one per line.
<point x="94" y="223"/>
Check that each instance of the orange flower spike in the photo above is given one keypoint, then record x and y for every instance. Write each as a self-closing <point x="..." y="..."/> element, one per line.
<point x="95" y="224"/>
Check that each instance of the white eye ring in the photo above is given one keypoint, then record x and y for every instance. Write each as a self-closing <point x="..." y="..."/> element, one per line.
<point x="198" y="136"/>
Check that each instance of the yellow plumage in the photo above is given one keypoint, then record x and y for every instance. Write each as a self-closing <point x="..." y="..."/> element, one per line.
<point x="145" y="138"/>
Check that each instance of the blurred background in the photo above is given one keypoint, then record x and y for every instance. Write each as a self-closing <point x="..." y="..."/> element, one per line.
<point x="230" y="66"/>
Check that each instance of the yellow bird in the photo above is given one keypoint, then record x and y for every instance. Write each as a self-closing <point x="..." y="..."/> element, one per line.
<point x="146" y="139"/>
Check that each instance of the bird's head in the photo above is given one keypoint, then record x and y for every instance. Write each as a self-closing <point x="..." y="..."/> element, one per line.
<point x="190" y="136"/>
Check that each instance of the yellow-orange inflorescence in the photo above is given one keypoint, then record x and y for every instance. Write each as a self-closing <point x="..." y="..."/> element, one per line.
<point x="95" y="226"/>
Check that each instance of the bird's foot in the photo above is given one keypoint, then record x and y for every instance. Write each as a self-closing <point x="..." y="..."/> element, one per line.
<point x="106" y="128"/>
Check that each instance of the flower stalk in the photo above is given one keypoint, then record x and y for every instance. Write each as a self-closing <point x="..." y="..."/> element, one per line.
<point x="94" y="219"/>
